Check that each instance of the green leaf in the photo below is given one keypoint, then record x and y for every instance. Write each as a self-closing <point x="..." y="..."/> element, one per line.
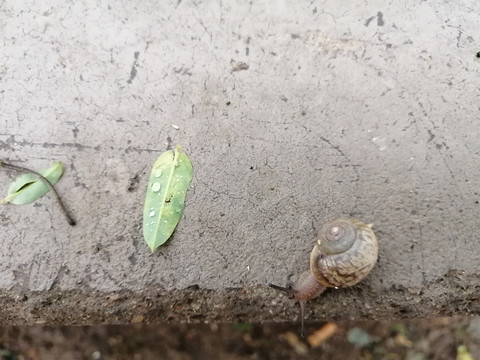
<point x="28" y="187"/>
<point x="165" y="198"/>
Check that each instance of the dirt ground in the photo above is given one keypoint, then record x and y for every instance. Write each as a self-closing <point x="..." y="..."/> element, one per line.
<point x="445" y="338"/>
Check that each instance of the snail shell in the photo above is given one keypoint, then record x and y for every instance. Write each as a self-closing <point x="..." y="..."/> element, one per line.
<point x="345" y="252"/>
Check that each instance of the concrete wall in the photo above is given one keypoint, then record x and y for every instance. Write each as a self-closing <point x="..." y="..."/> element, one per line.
<point x="292" y="114"/>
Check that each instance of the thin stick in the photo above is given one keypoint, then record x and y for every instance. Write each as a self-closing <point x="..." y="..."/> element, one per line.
<point x="69" y="218"/>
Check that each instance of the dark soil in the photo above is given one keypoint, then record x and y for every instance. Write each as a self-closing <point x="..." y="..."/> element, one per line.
<point x="445" y="338"/>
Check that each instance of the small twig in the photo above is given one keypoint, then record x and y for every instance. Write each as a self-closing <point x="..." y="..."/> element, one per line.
<point x="46" y="182"/>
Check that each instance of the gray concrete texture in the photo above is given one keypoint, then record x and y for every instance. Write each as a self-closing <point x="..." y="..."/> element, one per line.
<point x="292" y="113"/>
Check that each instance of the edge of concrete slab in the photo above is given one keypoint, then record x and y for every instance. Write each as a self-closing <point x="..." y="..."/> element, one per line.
<point x="254" y="304"/>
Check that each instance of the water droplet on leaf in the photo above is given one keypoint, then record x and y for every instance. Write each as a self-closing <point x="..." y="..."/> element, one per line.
<point x="156" y="187"/>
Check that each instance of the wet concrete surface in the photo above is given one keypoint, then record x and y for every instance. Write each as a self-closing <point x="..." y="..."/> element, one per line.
<point x="291" y="115"/>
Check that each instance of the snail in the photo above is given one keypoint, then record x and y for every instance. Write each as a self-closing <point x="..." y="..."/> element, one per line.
<point x="345" y="252"/>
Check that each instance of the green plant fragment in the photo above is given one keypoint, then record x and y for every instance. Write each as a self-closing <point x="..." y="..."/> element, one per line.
<point x="165" y="198"/>
<point x="359" y="337"/>
<point x="28" y="188"/>
<point x="463" y="353"/>
<point x="242" y="326"/>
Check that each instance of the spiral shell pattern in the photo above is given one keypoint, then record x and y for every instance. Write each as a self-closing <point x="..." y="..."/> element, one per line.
<point x="345" y="253"/>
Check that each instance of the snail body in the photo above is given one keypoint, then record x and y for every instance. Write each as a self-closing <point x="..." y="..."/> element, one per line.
<point x="345" y="252"/>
